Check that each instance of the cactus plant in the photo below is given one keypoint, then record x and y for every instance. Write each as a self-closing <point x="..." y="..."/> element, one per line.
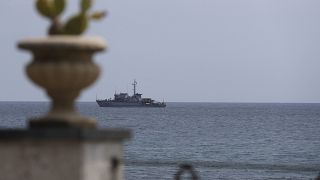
<point x="75" y="25"/>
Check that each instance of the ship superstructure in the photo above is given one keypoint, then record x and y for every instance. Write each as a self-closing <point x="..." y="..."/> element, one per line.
<point x="125" y="100"/>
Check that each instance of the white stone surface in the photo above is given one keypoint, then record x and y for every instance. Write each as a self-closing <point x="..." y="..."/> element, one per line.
<point x="98" y="157"/>
<point x="59" y="160"/>
<point x="64" y="41"/>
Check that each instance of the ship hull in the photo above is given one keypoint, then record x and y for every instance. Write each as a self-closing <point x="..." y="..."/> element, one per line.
<point x="104" y="103"/>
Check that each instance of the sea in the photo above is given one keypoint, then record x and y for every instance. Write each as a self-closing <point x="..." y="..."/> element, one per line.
<point x="219" y="140"/>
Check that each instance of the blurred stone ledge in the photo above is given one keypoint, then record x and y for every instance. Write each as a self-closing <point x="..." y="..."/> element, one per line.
<point x="62" y="154"/>
<point x="67" y="133"/>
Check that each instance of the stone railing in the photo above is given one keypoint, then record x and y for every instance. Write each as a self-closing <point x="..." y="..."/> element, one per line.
<point x="62" y="145"/>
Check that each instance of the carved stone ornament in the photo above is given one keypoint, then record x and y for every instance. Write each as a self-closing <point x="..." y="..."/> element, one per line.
<point x="63" y="66"/>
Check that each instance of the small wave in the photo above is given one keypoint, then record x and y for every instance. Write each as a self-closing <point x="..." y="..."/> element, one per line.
<point x="226" y="165"/>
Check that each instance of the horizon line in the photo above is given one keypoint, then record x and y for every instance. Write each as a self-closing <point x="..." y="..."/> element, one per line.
<point x="217" y="102"/>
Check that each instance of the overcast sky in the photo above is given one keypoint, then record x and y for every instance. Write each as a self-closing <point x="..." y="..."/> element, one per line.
<point x="184" y="50"/>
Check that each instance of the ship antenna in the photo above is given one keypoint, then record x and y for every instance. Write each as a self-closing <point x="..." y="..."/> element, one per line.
<point x="134" y="87"/>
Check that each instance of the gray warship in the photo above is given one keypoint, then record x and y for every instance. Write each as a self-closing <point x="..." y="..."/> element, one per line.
<point x="125" y="100"/>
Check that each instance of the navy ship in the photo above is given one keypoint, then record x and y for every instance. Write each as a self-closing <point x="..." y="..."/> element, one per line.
<point x="125" y="100"/>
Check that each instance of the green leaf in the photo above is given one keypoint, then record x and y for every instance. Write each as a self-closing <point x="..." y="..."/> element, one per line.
<point x="76" y="25"/>
<point x="85" y="5"/>
<point x="98" y="15"/>
<point x="44" y="8"/>
<point x="59" y="6"/>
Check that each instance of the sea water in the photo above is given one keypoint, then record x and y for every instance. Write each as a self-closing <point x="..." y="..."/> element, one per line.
<point x="220" y="140"/>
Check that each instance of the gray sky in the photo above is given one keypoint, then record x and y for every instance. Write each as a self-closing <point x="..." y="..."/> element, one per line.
<point x="185" y="50"/>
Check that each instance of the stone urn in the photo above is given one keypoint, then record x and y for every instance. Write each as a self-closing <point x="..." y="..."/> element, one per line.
<point x="63" y="66"/>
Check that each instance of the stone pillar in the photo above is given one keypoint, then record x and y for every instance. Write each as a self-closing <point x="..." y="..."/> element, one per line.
<point x="62" y="154"/>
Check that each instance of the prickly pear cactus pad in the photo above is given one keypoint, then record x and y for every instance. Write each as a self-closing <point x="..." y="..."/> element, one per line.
<point x="76" y="24"/>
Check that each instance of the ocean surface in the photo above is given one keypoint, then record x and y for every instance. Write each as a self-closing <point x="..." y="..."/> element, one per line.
<point x="220" y="140"/>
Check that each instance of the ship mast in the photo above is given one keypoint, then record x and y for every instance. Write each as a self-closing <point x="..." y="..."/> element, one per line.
<point x="134" y="87"/>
